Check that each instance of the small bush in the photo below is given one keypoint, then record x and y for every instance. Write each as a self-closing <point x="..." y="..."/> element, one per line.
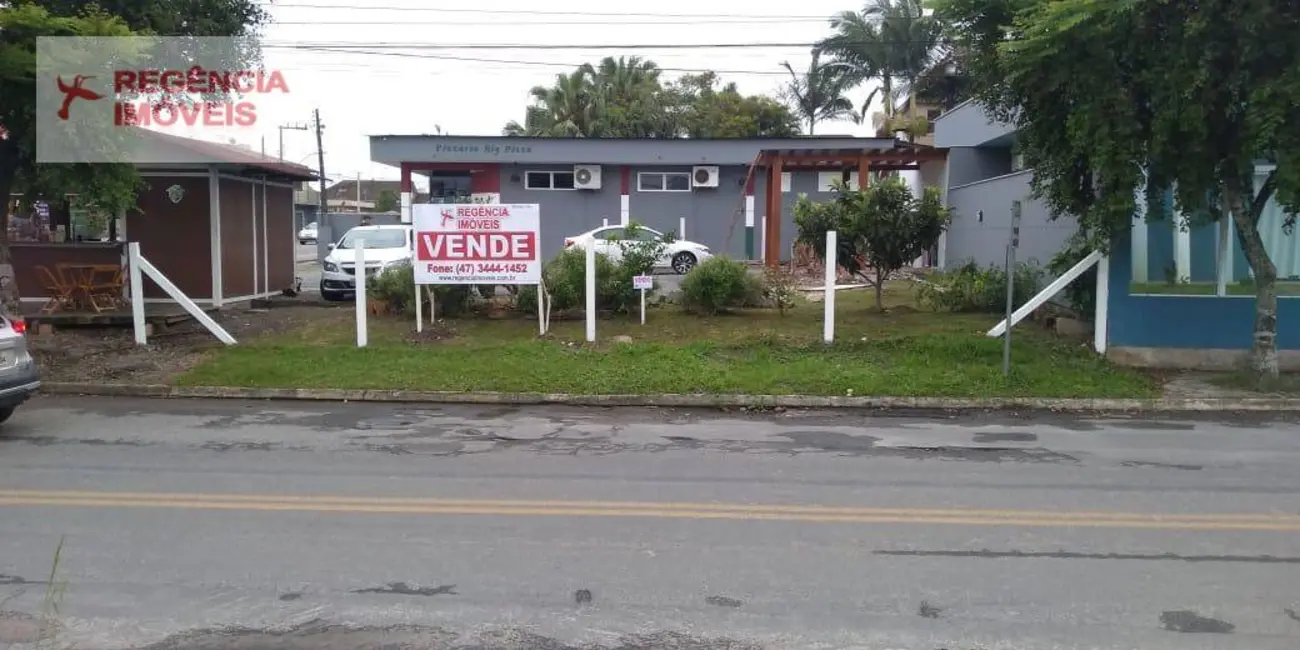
<point x="1082" y="293"/>
<point x="970" y="288"/>
<point x="780" y="289"/>
<point x="396" y="286"/>
<point x="566" y="282"/>
<point x="717" y="284"/>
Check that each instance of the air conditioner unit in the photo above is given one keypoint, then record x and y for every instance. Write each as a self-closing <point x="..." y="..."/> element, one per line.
<point x="704" y="176"/>
<point x="586" y="177"/>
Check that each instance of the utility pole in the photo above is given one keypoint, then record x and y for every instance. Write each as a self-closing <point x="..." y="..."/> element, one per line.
<point x="320" y="160"/>
<point x="296" y="126"/>
<point x="358" y="191"/>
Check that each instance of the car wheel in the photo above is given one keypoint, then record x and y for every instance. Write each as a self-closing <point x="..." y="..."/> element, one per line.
<point x="6" y="413"/>
<point x="683" y="263"/>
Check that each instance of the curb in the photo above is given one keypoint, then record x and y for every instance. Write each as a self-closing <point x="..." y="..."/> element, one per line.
<point x="1188" y="405"/>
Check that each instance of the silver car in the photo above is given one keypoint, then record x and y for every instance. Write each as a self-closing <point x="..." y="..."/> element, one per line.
<point x="19" y="378"/>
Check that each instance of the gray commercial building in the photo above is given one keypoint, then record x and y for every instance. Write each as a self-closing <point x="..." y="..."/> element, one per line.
<point x="719" y="188"/>
<point x="984" y="177"/>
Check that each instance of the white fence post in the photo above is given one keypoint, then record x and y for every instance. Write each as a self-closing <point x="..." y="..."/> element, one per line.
<point x="828" y="328"/>
<point x="1101" y="313"/>
<point x="170" y="289"/>
<point x="591" y="292"/>
<point x="361" y="292"/>
<point x="1046" y="294"/>
<point x="137" y="293"/>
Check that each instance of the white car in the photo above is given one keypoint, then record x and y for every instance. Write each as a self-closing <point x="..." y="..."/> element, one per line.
<point x="385" y="246"/>
<point x="681" y="256"/>
<point x="19" y="378"/>
<point x="308" y="234"/>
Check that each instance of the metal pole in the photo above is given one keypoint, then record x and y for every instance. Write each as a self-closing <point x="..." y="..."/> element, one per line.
<point x="320" y="160"/>
<point x="1012" y="244"/>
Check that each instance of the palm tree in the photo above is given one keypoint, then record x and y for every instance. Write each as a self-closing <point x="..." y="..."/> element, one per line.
<point x="818" y="93"/>
<point x="570" y="108"/>
<point x="894" y="41"/>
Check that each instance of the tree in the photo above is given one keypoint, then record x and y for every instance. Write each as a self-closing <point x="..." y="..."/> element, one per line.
<point x="387" y="201"/>
<point x="624" y="98"/>
<point x="108" y="187"/>
<point x="1102" y="113"/>
<point x="817" y="94"/>
<point x="878" y="230"/>
<point x="894" y="41"/>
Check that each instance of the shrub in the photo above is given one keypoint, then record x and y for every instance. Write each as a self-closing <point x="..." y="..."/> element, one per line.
<point x="717" y="284"/>
<point x="780" y="289"/>
<point x="1082" y="293"/>
<point x="566" y="281"/>
<point x="396" y="286"/>
<point x="969" y="288"/>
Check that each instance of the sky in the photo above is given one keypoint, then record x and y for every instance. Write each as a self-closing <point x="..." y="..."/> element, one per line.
<point x="403" y="73"/>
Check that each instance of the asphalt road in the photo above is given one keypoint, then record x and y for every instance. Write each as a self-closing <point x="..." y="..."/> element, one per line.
<point x="256" y="525"/>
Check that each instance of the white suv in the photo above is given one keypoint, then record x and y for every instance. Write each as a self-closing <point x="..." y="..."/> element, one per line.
<point x="19" y="378"/>
<point x="385" y="246"/>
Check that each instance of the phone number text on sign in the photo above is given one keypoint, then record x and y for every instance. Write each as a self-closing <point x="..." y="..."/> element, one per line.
<point x="477" y="244"/>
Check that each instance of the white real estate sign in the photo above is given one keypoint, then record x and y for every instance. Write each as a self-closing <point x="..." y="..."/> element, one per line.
<point x="467" y="243"/>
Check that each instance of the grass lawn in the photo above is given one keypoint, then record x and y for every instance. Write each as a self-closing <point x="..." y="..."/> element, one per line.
<point x="905" y="352"/>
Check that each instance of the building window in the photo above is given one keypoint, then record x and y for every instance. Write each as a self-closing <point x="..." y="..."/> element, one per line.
<point x="1205" y="259"/>
<point x="825" y="180"/>
<point x="663" y="182"/>
<point x="548" y="180"/>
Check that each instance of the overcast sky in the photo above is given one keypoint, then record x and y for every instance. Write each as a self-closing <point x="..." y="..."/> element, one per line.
<point x="416" y="89"/>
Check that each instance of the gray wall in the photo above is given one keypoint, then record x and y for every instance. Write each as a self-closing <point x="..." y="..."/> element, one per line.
<point x="714" y="216"/>
<point x="395" y="149"/>
<point x="970" y="164"/>
<point x="968" y="125"/>
<point x="985" y="242"/>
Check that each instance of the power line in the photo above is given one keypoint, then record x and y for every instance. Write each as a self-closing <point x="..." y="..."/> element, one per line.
<point x="542" y="23"/>
<point x="529" y="12"/>
<point x="596" y="46"/>
<point x="520" y="62"/>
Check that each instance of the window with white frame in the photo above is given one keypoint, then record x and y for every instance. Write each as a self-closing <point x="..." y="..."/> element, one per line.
<point x="825" y="180"/>
<point x="1178" y="256"/>
<point x="663" y="182"/>
<point x="556" y="180"/>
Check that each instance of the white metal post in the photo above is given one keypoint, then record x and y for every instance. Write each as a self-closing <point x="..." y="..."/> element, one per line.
<point x="137" y="292"/>
<point x="643" y="306"/>
<point x="419" y="307"/>
<point x="1100" y="326"/>
<point x="828" y="328"/>
<point x="541" y="309"/>
<point x="361" y="292"/>
<point x="591" y="292"/>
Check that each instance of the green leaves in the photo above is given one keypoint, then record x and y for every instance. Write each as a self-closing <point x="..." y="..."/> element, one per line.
<point x="878" y="231"/>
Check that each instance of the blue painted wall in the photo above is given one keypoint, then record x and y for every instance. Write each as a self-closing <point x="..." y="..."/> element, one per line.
<point x="1187" y="321"/>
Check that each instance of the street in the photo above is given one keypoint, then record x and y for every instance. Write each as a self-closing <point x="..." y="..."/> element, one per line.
<point x="204" y="524"/>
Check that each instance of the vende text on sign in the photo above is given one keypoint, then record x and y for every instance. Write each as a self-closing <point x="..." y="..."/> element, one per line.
<point x="468" y="243"/>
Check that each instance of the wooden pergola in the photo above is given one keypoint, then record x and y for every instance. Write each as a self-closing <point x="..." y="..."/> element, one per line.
<point x="902" y="156"/>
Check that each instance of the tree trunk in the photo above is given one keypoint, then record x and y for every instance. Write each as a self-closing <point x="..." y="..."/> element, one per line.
<point x="1264" y="359"/>
<point x="10" y="304"/>
<point x="880" y="291"/>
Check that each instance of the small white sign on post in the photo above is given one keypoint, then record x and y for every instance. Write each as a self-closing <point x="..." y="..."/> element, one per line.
<point x="643" y="283"/>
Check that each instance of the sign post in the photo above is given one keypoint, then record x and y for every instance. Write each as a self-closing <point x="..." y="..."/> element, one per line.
<point x="643" y="283"/>
<point x="360" y="267"/>
<point x="832" y="277"/>
<point x="476" y="243"/>
<point x="1012" y="245"/>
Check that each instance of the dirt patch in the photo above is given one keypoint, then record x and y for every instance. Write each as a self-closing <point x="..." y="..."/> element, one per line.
<point x="89" y="354"/>
<point x="433" y="333"/>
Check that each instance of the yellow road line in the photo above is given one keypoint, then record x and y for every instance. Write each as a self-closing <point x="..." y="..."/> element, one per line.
<point x="811" y="514"/>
